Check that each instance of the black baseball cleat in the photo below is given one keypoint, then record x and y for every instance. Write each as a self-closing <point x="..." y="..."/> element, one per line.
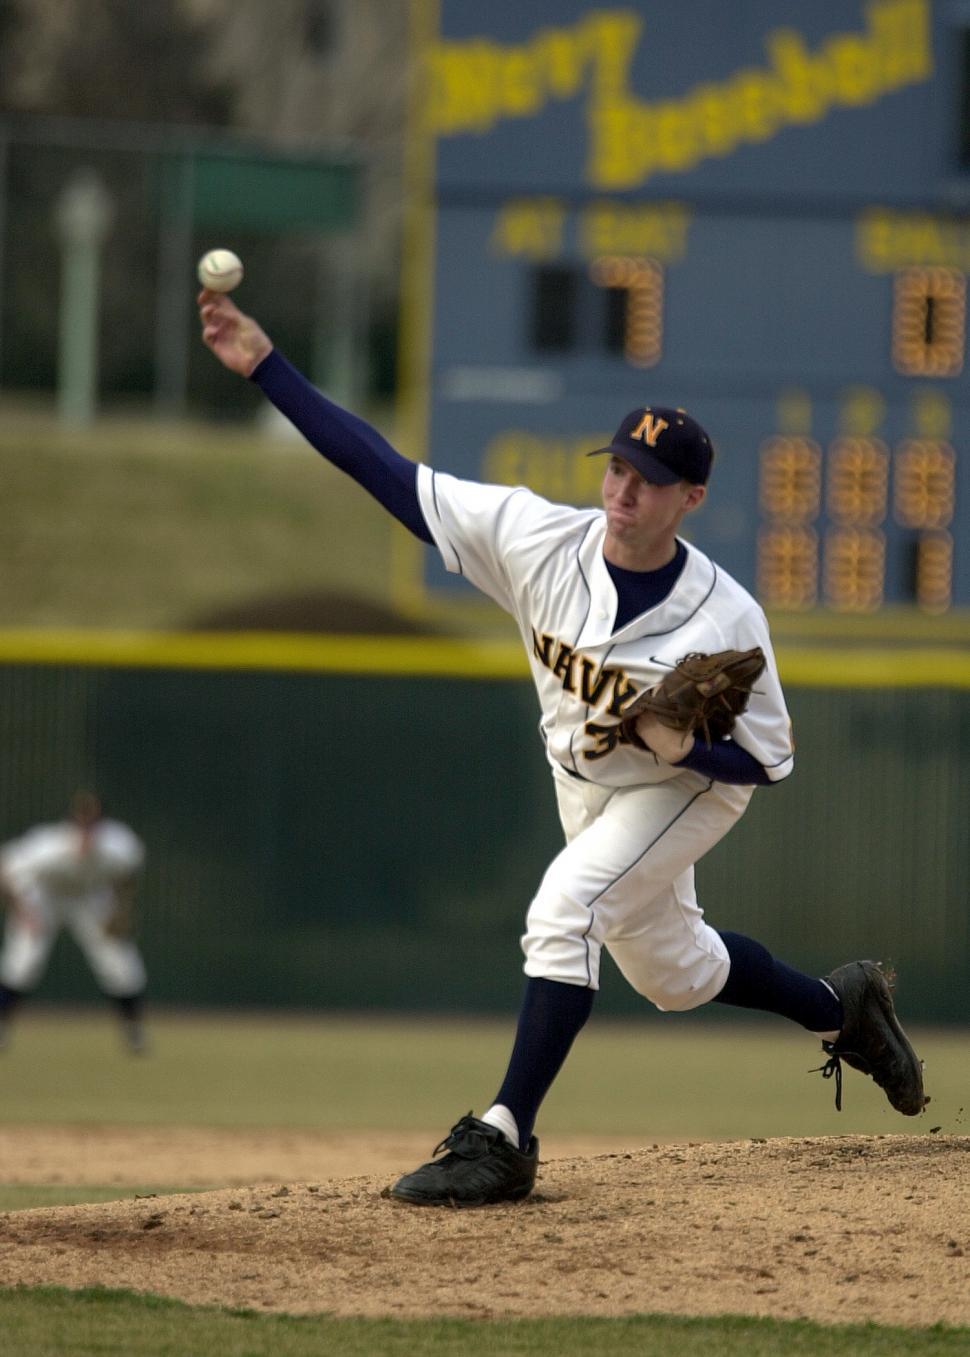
<point x="479" y="1169"/>
<point x="872" y="1040"/>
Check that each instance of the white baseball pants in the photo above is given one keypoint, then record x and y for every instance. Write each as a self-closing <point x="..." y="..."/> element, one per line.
<point x="625" y="881"/>
<point x="32" y="931"/>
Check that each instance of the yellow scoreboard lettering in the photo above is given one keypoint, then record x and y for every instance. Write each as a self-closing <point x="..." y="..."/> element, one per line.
<point x="932" y="413"/>
<point x="658" y="230"/>
<point x="553" y="467"/>
<point x="862" y="410"/>
<point x="530" y="227"/>
<point x="473" y="84"/>
<point x="535" y="228"/>
<point x="887" y="241"/>
<point x="794" y="410"/>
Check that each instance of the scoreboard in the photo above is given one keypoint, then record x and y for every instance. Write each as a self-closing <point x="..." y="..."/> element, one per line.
<point x="759" y="212"/>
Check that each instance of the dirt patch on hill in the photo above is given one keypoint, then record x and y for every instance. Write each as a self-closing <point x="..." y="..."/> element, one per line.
<point x="833" y="1229"/>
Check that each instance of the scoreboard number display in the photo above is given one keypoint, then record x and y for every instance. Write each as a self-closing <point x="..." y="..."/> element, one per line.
<point x="766" y="222"/>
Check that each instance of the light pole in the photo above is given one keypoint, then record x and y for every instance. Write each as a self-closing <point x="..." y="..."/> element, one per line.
<point x="83" y="218"/>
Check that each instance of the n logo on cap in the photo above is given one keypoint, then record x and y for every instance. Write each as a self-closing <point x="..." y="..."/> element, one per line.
<point x="649" y="429"/>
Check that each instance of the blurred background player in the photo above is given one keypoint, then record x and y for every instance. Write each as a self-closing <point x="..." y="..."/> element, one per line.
<point x="79" y="874"/>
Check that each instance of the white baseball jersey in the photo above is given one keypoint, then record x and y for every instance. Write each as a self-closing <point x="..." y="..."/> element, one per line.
<point x="634" y="824"/>
<point x="59" y="877"/>
<point x="543" y="563"/>
<point x="50" y="860"/>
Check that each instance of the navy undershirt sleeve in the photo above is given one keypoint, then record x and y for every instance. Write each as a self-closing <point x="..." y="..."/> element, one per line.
<point x="725" y="761"/>
<point x="347" y="441"/>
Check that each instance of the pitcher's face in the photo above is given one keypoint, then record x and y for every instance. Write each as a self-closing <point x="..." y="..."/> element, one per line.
<point x="641" y="516"/>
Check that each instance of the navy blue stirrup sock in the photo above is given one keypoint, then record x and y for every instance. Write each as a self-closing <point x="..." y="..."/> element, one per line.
<point x="551" y="1016"/>
<point x="9" y="999"/>
<point x="757" y="980"/>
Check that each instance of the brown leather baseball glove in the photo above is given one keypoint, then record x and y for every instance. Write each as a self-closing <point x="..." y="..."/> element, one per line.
<point x="704" y="693"/>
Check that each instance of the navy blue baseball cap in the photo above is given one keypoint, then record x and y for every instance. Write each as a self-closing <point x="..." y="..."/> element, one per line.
<point x="664" y="445"/>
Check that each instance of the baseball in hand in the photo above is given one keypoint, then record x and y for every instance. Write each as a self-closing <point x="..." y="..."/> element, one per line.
<point x="220" y="270"/>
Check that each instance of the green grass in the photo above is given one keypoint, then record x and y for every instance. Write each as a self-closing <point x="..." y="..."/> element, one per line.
<point x="24" y="1196"/>
<point x="44" y="1321"/>
<point x="139" y="524"/>
<point x="664" y="1078"/>
<point x="658" y="1079"/>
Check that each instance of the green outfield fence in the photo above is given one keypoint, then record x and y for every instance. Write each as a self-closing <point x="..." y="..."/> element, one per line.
<point x="348" y="822"/>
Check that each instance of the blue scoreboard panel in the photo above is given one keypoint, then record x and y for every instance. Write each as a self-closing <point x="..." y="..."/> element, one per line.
<point x="759" y="212"/>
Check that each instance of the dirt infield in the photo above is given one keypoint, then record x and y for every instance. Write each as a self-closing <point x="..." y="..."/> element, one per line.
<point x="834" y="1229"/>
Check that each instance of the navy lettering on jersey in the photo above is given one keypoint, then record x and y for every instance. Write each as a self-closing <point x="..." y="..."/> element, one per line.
<point x="563" y="667"/>
<point x="594" y="685"/>
<point x="541" y="647"/>
<point x="605" y="739"/>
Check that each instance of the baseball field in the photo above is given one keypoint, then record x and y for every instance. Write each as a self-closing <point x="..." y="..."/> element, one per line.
<point x="698" y="1192"/>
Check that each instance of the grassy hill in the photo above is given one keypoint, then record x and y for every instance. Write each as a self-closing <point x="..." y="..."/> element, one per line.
<point x="140" y="523"/>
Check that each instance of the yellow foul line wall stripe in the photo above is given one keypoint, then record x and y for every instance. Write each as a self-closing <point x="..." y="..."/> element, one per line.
<point x="448" y="657"/>
<point x="380" y="655"/>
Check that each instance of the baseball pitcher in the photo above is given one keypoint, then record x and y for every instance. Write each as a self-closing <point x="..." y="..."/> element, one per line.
<point x="661" y="712"/>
